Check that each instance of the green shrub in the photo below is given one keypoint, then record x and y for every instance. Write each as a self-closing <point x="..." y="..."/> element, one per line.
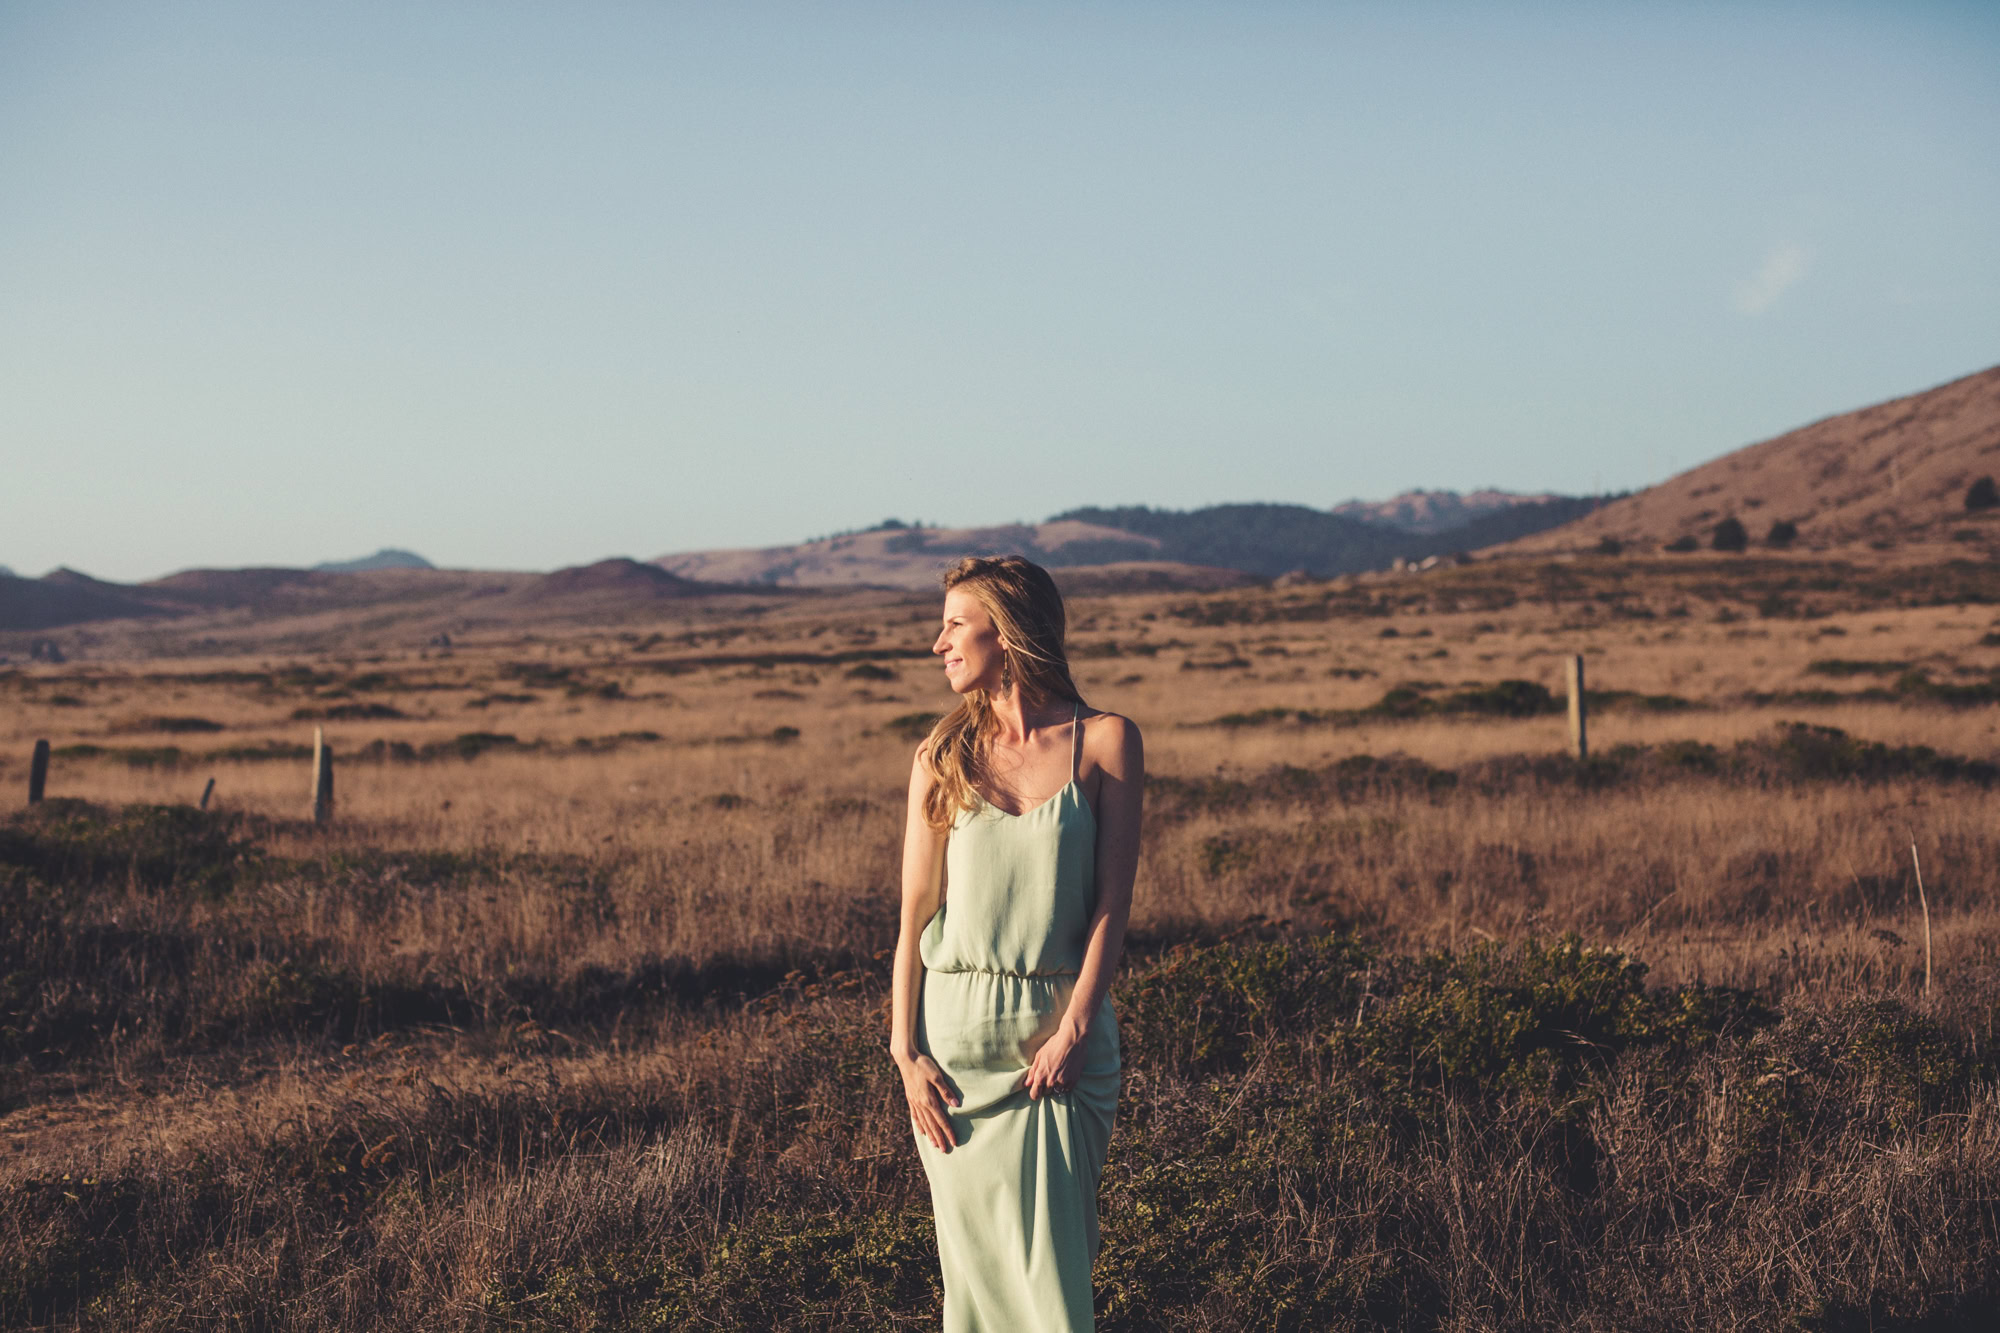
<point x="1872" y="1066"/>
<point x="913" y="726"/>
<point x="1633" y="701"/>
<point x="471" y="744"/>
<point x="1918" y="685"/>
<point x="1258" y="717"/>
<point x="857" y="1269"/>
<point x="1509" y="698"/>
<point x="178" y="725"/>
<point x="133" y="756"/>
<point x="1849" y="666"/>
<point x="349" y="713"/>
<point x="76" y="846"/>
<point x="1812" y="753"/>
<point x="262" y="753"/>
<point x="1538" y="1019"/>
<point x="538" y="675"/>
<point x="1203" y="1008"/>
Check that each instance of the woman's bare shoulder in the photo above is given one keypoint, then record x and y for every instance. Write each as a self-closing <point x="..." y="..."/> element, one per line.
<point x="921" y="777"/>
<point x="1112" y="741"/>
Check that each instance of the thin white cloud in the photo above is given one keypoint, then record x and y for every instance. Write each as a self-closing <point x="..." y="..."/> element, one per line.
<point x="1780" y="271"/>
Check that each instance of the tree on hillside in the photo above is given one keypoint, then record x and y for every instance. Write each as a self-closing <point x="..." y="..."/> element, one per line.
<point x="1683" y="543"/>
<point x="1782" y="534"/>
<point x="1981" y="495"/>
<point x="1729" y="535"/>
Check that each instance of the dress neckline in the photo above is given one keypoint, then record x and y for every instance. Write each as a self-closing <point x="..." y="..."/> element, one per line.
<point x="1075" y="763"/>
<point x="1047" y="801"/>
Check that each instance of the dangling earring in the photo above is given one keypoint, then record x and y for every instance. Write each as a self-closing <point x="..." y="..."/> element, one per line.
<point x="1006" y="675"/>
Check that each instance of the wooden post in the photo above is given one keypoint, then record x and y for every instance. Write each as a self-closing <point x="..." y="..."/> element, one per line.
<point x="322" y="777"/>
<point x="1579" y="744"/>
<point x="207" y="792"/>
<point x="38" y="773"/>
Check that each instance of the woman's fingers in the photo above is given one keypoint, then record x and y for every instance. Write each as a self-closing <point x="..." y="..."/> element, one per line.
<point x="928" y="1126"/>
<point x="926" y="1109"/>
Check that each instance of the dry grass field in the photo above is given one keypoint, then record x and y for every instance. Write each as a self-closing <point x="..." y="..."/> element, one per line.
<point x="574" y="1015"/>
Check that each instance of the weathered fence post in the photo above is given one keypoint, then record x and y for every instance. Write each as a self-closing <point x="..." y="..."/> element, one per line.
<point x="207" y="792"/>
<point x="38" y="773"/>
<point x="322" y="777"/>
<point x="1579" y="744"/>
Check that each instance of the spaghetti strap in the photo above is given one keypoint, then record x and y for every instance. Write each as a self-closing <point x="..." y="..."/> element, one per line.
<point x="1075" y="740"/>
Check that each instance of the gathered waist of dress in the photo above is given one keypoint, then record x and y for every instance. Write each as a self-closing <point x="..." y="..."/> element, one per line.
<point x="996" y="972"/>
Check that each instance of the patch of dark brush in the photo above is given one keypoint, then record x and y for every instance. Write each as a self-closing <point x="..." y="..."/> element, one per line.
<point x="1795" y="753"/>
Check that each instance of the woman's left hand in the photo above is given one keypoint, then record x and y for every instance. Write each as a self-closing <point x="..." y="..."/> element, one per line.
<point x="1058" y="1064"/>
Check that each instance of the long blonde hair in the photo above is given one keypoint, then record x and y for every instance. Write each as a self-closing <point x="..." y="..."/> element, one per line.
<point x="1027" y="609"/>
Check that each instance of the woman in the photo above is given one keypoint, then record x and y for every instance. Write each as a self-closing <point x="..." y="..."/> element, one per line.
<point x="1019" y="850"/>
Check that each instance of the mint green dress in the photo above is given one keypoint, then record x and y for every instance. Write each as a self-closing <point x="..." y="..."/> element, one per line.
<point x="1016" y="1199"/>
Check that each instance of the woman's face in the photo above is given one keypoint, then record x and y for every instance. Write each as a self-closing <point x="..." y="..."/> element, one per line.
<point x="969" y="644"/>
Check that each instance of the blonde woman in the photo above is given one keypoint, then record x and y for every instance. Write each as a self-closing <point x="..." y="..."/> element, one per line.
<point x="1019" y="851"/>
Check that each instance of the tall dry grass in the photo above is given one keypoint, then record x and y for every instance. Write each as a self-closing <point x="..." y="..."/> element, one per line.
<point x="568" y="1035"/>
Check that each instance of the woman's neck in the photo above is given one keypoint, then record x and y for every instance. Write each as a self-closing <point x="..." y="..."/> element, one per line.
<point x="1015" y="716"/>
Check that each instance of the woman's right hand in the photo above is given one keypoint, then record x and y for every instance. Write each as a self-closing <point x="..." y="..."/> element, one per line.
<point x="929" y="1093"/>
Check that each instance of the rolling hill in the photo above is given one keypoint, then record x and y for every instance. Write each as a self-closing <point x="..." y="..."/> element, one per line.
<point x="1897" y="471"/>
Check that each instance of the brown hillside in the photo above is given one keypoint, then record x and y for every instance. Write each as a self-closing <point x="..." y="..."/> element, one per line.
<point x="65" y="597"/>
<point x="618" y="581"/>
<point x="1897" y="470"/>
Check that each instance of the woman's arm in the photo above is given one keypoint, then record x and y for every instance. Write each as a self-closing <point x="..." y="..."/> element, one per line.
<point x="924" y="1084"/>
<point x="1121" y="755"/>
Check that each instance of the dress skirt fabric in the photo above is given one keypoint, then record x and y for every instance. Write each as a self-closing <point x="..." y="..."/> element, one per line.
<point x="1016" y="1199"/>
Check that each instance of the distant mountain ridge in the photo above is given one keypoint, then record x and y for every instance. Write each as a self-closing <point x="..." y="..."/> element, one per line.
<point x="1261" y="540"/>
<point x="1435" y="511"/>
<point x="389" y="557"/>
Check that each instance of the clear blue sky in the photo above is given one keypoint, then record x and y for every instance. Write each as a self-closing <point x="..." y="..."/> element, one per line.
<point x="525" y="285"/>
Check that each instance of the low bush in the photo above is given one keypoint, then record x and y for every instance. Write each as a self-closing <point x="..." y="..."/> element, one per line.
<point x="177" y="725"/>
<point x="913" y="726"/>
<point x="349" y="713"/>
<point x="75" y="847"/>
<point x="1848" y="666"/>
